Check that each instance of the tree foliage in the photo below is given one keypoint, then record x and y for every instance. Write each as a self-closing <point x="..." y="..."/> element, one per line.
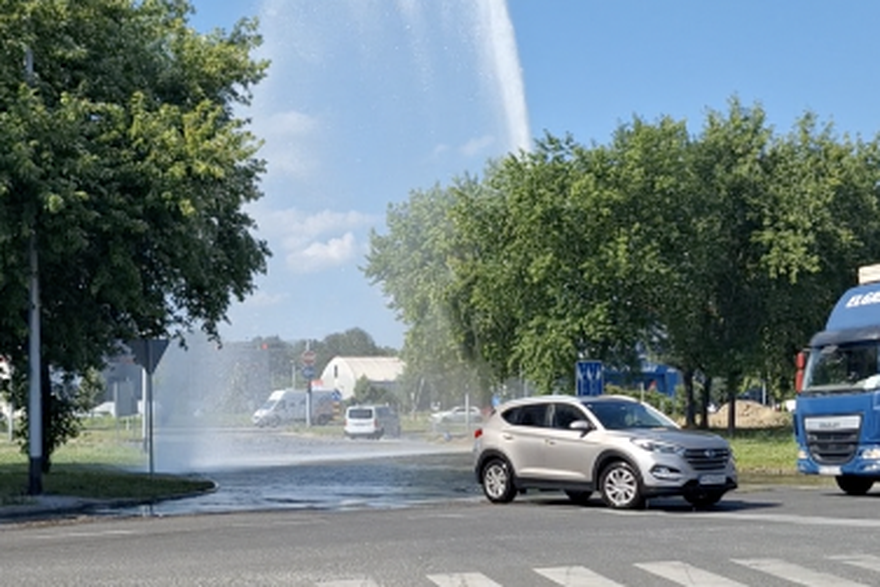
<point x="123" y="157"/>
<point x="718" y="252"/>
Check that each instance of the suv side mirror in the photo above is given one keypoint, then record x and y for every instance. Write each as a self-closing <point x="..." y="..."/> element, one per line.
<point x="581" y="425"/>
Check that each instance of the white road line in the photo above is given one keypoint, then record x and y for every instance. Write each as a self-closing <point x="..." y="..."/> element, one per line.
<point x="87" y="534"/>
<point x="796" y="573"/>
<point x="864" y="561"/>
<point x="462" y="580"/>
<point x="685" y="574"/>
<point x="763" y="517"/>
<point x="576" y="577"/>
<point x="348" y="583"/>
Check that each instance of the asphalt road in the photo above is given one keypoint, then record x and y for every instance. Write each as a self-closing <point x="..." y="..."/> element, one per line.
<point x="762" y="537"/>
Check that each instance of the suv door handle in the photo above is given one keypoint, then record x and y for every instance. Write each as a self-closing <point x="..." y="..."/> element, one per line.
<point x="507" y="436"/>
<point x="549" y="441"/>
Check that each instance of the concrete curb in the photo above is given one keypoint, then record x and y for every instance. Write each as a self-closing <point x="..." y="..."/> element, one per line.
<point x="59" y="507"/>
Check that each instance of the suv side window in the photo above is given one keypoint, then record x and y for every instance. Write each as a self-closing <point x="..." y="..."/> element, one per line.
<point x="565" y="414"/>
<point x="534" y="415"/>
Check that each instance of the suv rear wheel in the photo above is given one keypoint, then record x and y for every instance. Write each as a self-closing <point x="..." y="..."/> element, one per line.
<point x="621" y="487"/>
<point x="497" y="481"/>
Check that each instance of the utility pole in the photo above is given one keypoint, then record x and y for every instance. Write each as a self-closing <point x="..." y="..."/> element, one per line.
<point x="35" y="408"/>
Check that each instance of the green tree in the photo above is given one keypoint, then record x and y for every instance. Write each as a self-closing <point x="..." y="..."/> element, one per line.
<point x="411" y="262"/>
<point x="557" y="262"/>
<point x="719" y="253"/>
<point x="125" y="160"/>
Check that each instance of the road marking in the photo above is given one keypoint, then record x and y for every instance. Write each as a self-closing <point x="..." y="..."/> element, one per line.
<point x="685" y="574"/>
<point x="764" y="517"/>
<point x="462" y="580"/>
<point x="576" y="577"/>
<point x="349" y="583"/>
<point x="87" y="534"/>
<point x="864" y="561"/>
<point x="796" y="573"/>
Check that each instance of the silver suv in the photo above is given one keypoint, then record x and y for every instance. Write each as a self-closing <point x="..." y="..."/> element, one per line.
<point x="625" y="449"/>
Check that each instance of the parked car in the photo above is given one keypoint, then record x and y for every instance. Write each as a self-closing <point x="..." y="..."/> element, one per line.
<point x="622" y="448"/>
<point x="458" y="415"/>
<point x="371" y="422"/>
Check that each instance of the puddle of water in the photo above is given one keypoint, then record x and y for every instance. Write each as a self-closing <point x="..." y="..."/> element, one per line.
<point x="267" y="471"/>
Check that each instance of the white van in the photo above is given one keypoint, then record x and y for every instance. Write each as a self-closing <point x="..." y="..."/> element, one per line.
<point x="289" y="405"/>
<point x="371" y="422"/>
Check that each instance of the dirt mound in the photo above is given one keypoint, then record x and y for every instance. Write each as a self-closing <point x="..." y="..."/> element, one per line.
<point x="750" y="414"/>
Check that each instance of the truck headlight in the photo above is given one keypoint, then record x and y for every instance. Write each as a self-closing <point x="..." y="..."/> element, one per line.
<point x="658" y="446"/>
<point x="871" y="453"/>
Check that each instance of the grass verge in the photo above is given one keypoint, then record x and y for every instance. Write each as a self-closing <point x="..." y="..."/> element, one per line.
<point x="102" y="463"/>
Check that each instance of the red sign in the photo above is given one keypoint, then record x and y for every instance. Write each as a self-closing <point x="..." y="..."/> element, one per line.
<point x="308" y="358"/>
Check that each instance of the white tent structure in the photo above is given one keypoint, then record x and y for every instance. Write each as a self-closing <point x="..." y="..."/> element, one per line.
<point x="343" y="373"/>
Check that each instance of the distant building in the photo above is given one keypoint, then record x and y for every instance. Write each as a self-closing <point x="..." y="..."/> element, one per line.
<point x="343" y="373"/>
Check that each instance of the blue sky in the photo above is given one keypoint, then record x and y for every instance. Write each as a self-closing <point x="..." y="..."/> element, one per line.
<point x="367" y="100"/>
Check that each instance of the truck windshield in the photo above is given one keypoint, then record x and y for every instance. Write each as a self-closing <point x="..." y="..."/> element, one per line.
<point x="843" y="367"/>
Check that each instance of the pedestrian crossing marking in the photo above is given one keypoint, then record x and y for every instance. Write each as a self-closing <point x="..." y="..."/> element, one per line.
<point x="673" y="571"/>
<point x="685" y="574"/>
<point x="463" y="580"/>
<point x="864" y="561"/>
<point x="796" y="573"/>
<point x="576" y="577"/>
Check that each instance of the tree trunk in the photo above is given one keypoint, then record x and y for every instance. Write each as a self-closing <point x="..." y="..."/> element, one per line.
<point x="704" y="408"/>
<point x="733" y="379"/>
<point x="690" y="415"/>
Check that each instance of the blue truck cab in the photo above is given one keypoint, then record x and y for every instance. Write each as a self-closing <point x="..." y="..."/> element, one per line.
<point x="837" y="409"/>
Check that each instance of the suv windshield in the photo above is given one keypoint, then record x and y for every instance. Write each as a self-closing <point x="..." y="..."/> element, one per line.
<point x="843" y="367"/>
<point x="619" y="415"/>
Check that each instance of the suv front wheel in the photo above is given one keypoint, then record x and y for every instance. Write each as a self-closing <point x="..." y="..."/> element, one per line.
<point x="497" y="481"/>
<point x="621" y="487"/>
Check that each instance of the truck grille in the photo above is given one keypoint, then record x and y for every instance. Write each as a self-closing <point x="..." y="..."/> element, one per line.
<point x="832" y="448"/>
<point x="703" y="459"/>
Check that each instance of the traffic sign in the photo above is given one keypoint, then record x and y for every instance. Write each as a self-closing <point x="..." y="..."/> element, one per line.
<point x="148" y="352"/>
<point x="590" y="378"/>
<point x="309" y="372"/>
<point x="308" y="357"/>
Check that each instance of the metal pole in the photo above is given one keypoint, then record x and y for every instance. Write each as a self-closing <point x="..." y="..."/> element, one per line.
<point x="149" y="394"/>
<point x="35" y="409"/>
<point x="308" y="394"/>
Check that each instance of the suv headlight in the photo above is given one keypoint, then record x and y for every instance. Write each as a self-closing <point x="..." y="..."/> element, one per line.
<point x="658" y="446"/>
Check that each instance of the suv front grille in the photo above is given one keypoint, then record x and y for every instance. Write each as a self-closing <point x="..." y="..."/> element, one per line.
<point x="707" y="459"/>
<point x="833" y="448"/>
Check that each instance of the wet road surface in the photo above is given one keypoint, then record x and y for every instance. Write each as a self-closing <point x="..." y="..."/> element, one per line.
<point x="267" y="469"/>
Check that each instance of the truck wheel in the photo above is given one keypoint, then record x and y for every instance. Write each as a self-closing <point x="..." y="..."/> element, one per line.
<point x="621" y="487"/>
<point x="854" y="485"/>
<point x="497" y="481"/>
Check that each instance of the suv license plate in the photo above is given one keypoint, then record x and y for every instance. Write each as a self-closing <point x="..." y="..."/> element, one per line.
<point x="712" y="479"/>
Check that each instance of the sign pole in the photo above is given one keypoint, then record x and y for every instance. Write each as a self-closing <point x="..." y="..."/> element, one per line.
<point x="308" y="361"/>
